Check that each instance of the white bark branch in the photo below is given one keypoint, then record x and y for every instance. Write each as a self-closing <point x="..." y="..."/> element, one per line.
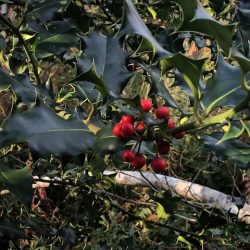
<point x="184" y="189"/>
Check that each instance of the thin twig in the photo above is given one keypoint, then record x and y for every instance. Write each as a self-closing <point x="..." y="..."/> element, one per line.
<point x="53" y="181"/>
<point x="26" y="49"/>
<point x="233" y="179"/>
<point x="123" y="198"/>
<point x="201" y="169"/>
<point x="155" y="223"/>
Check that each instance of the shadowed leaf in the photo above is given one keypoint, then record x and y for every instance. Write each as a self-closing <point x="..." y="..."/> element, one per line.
<point x="19" y="182"/>
<point x="11" y="229"/>
<point x="106" y="142"/>
<point x="233" y="149"/>
<point x="109" y="61"/>
<point x="46" y="133"/>
<point x="224" y="87"/>
<point x="133" y="24"/>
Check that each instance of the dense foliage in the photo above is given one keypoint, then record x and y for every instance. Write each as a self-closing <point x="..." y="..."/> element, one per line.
<point x="70" y="70"/>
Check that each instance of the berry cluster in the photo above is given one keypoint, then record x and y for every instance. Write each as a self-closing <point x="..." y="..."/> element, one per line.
<point x="129" y="127"/>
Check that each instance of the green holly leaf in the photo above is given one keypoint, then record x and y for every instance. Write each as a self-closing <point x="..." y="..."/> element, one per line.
<point x="234" y="131"/>
<point x="104" y="63"/>
<point x="55" y="38"/>
<point x="46" y="133"/>
<point x="57" y="44"/>
<point x="189" y="69"/>
<point x="106" y="142"/>
<point x="224" y="87"/>
<point x="45" y="10"/>
<point x="11" y="230"/>
<point x="19" y="182"/>
<point x="87" y="92"/>
<point x="24" y="89"/>
<point x="244" y="63"/>
<point x="233" y="149"/>
<point x="133" y="24"/>
<point x="243" y="26"/>
<point x="196" y="19"/>
<point x="158" y="86"/>
<point x="179" y="81"/>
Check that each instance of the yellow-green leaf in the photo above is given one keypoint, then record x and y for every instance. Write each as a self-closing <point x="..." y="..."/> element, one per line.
<point x="152" y="12"/>
<point x="161" y="212"/>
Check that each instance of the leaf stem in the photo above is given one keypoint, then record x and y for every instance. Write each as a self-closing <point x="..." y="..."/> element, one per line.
<point x="229" y="113"/>
<point x="26" y="49"/>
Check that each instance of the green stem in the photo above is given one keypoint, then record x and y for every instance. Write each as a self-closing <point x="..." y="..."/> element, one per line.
<point x="196" y="110"/>
<point x="229" y="113"/>
<point x="26" y="49"/>
<point x="207" y="122"/>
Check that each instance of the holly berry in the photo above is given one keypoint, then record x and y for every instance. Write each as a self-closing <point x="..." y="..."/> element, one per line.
<point x="117" y="130"/>
<point x="179" y="135"/>
<point x="139" y="161"/>
<point x="162" y="112"/>
<point x="128" y="155"/>
<point x="140" y="128"/>
<point x="158" y="164"/>
<point x="163" y="147"/>
<point x="146" y="105"/>
<point x="127" y="119"/>
<point x="171" y="123"/>
<point x="127" y="130"/>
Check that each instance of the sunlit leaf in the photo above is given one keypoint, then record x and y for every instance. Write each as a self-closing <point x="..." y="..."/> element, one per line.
<point x="161" y="212"/>
<point x="183" y="240"/>
<point x="152" y="12"/>
<point x="234" y="131"/>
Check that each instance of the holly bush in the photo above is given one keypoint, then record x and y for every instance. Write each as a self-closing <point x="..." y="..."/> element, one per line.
<point x="71" y="70"/>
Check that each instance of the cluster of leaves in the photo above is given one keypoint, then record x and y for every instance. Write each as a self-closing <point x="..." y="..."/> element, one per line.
<point x="65" y="131"/>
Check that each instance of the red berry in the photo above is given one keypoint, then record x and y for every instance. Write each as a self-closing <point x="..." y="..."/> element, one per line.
<point x="128" y="155"/>
<point x="158" y="164"/>
<point x="162" y="112"/>
<point x="179" y="135"/>
<point x="127" y="119"/>
<point x="127" y="130"/>
<point x="140" y="128"/>
<point x="163" y="147"/>
<point x="139" y="161"/>
<point x="171" y="123"/>
<point x="117" y="130"/>
<point x="146" y="105"/>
